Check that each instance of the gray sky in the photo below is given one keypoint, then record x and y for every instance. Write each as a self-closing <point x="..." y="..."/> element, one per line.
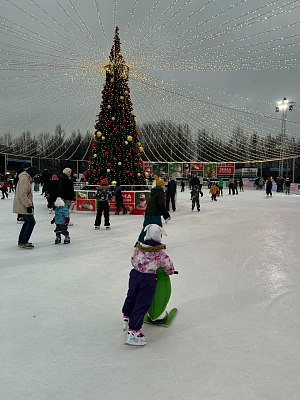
<point x="186" y="58"/>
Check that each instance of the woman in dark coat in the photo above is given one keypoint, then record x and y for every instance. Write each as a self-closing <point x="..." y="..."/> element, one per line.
<point x="52" y="192"/>
<point x="156" y="208"/>
<point x="170" y="194"/>
<point x="66" y="188"/>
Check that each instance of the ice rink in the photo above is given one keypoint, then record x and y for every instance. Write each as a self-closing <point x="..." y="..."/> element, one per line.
<point x="237" y="332"/>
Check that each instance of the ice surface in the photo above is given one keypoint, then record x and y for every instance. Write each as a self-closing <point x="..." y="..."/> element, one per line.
<point x="236" y="334"/>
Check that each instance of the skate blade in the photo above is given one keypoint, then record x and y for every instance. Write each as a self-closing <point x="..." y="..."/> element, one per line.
<point x="136" y="344"/>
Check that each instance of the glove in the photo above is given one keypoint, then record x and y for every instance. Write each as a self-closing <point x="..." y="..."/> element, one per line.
<point x="52" y="221"/>
<point x="30" y="209"/>
<point x="67" y="220"/>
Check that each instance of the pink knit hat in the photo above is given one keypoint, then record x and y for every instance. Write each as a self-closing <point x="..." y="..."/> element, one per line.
<point x="54" y="176"/>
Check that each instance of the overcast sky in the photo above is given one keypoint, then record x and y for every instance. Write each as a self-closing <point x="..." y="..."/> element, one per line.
<point x="191" y="61"/>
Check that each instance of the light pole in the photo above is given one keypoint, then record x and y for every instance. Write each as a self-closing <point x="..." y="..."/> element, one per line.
<point x="283" y="105"/>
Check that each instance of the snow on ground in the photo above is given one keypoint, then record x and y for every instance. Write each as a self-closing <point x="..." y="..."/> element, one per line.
<point x="236" y="334"/>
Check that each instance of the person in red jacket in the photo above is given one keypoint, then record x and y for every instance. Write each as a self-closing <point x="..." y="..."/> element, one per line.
<point x="4" y="189"/>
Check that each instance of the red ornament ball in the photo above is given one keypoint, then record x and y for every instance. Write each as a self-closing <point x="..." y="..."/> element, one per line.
<point x="115" y="129"/>
<point x="106" y="153"/>
<point x="130" y="174"/>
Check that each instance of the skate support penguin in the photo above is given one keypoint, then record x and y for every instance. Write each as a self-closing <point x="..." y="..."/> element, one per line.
<point x="157" y="314"/>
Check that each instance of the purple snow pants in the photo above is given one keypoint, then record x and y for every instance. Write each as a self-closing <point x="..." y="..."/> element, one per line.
<point x="139" y="297"/>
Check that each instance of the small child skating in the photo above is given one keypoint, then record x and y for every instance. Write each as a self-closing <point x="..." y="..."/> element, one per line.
<point x="195" y="197"/>
<point x="213" y="191"/>
<point x="103" y="196"/>
<point x="61" y="219"/>
<point x="148" y="256"/>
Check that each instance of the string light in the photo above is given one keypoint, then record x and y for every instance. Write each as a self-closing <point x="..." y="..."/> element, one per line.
<point x="53" y="72"/>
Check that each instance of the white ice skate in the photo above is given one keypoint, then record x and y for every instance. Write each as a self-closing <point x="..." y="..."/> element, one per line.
<point x="135" y="338"/>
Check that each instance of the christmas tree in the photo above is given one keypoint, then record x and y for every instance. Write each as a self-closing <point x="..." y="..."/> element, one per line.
<point x="116" y="150"/>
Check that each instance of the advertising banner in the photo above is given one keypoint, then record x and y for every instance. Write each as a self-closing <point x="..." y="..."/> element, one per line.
<point x="175" y="170"/>
<point x="161" y="167"/>
<point x="135" y="202"/>
<point x="210" y="170"/>
<point x="186" y="173"/>
<point x="85" y="201"/>
<point x="225" y="170"/>
<point x="197" y="166"/>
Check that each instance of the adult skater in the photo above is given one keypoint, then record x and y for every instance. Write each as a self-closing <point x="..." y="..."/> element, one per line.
<point x="269" y="185"/>
<point x="156" y="208"/>
<point x="171" y="193"/>
<point x="66" y="188"/>
<point x="23" y="204"/>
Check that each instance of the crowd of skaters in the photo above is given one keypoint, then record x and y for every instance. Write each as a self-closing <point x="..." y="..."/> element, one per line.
<point x="54" y="187"/>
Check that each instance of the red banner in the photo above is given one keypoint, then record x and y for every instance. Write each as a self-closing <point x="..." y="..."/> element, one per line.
<point x="228" y="170"/>
<point x="197" y="166"/>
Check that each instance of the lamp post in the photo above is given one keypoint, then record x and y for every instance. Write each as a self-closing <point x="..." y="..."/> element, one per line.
<point x="283" y="105"/>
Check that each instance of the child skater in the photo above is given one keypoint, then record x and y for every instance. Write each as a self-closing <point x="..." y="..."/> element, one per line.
<point x="147" y="257"/>
<point x="195" y="197"/>
<point x="103" y="196"/>
<point x="119" y="199"/>
<point x="61" y="219"/>
<point x="213" y="192"/>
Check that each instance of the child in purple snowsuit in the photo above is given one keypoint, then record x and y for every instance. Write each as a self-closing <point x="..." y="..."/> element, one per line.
<point x="147" y="257"/>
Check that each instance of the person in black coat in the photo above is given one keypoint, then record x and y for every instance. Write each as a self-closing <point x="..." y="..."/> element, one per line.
<point x="66" y="188"/>
<point x="156" y="208"/>
<point x="52" y="192"/>
<point x="45" y="179"/>
<point x="269" y="185"/>
<point x="195" y="181"/>
<point x="119" y="199"/>
<point x="170" y="194"/>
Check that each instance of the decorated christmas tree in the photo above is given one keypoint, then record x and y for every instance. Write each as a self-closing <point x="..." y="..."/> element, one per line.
<point x="116" y="150"/>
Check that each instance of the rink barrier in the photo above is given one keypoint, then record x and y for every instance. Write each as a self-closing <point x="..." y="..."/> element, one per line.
<point x="135" y="199"/>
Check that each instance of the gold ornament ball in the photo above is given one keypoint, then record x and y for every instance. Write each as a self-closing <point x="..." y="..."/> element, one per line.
<point x="136" y="124"/>
<point x="112" y="79"/>
<point x="99" y="134"/>
<point x="119" y="163"/>
<point x="108" y="106"/>
<point x="138" y="174"/>
<point x="103" y="138"/>
<point x="129" y="138"/>
<point x="86" y="183"/>
<point x="108" y="170"/>
<point x="146" y="174"/>
<point x="126" y="92"/>
<point x="121" y="97"/>
<point x="139" y="144"/>
<point x="95" y="136"/>
<point x="114" y="183"/>
<point x="131" y="112"/>
<point x="95" y="155"/>
<point x="113" y="118"/>
<point x="126" y="142"/>
<point x="141" y="149"/>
